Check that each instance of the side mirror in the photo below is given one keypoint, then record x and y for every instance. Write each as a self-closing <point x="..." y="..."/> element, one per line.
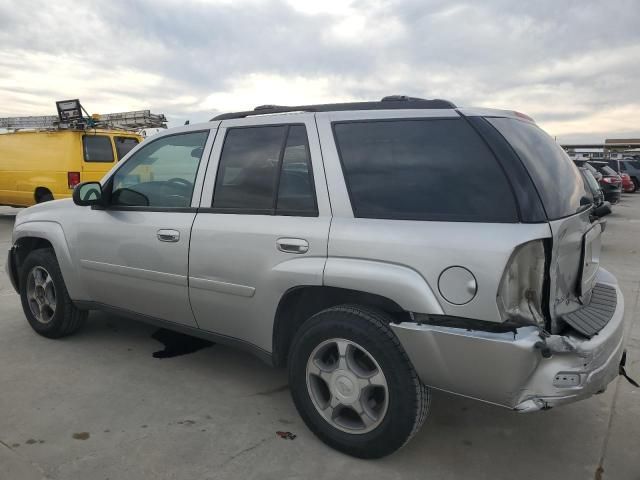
<point x="603" y="210"/>
<point x="88" y="193"/>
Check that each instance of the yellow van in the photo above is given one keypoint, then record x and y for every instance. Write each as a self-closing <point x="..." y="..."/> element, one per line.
<point x="41" y="165"/>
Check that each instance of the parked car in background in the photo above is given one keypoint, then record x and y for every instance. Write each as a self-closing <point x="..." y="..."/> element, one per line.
<point x="627" y="184"/>
<point x="610" y="182"/>
<point x="631" y="167"/>
<point x="594" y="171"/>
<point x="38" y="166"/>
<point x="592" y="186"/>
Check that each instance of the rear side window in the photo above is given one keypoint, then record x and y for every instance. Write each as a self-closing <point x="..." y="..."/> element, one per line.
<point x="556" y="178"/>
<point x="265" y="170"/>
<point x="97" y="148"/>
<point x="431" y="169"/>
<point x="124" y="145"/>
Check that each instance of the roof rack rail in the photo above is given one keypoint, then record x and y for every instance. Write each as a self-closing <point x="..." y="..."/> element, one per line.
<point x="391" y="102"/>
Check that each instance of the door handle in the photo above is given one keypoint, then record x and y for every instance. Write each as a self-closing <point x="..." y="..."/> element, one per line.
<point x="292" y="245"/>
<point x="166" y="235"/>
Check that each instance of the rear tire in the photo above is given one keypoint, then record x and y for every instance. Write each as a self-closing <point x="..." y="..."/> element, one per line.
<point x="636" y="185"/>
<point x="353" y="384"/>
<point x="44" y="296"/>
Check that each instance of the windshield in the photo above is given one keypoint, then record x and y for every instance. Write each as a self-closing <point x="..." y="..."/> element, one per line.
<point x="555" y="176"/>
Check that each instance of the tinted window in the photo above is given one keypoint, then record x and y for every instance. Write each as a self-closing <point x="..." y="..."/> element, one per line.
<point x="422" y="170"/>
<point x="124" y="145"/>
<point x="296" y="193"/>
<point x="160" y="174"/>
<point x="97" y="148"/>
<point x="257" y="161"/>
<point x="607" y="170"/>
<point x="557" y="179"/>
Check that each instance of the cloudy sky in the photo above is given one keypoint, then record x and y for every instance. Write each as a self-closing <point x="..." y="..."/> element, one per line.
<point x="572" y="65"/>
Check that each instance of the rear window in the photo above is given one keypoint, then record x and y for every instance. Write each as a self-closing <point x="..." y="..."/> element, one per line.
<point x="422" y="169"/>
<point x="556" y="178"/>
<point x="608" y="171"/>
<point x="97" y="148"/>
<point x="124" y="145"/>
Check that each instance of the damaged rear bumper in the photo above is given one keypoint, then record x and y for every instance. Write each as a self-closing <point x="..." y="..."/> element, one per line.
<point x="508" y="369"/>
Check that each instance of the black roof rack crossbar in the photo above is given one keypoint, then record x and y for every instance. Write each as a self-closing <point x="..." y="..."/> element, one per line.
<point x="393" y="102"/>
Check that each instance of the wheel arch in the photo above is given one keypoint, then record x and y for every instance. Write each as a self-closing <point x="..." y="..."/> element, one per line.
<point x="39" y="192"/>
<point x="301" y="302"/>
<point x="30" y="236"/>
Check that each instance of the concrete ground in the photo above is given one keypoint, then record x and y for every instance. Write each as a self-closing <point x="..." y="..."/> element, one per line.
<point x="98" y="405"/>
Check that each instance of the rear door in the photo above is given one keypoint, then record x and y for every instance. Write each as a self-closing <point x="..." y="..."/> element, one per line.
<point x="576" y="244"/>
<point x="262" y="226"/>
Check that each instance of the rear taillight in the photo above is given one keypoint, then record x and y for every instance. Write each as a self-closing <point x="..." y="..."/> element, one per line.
<point x="73" y="178"/>
<point x="521" y="288"/>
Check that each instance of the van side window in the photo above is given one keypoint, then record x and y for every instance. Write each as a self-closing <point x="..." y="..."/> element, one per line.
<point x="160" y="174"/>
<point x="97" y="148"/>
<point x="124" y="145"/>
<point x="265" y="170"/>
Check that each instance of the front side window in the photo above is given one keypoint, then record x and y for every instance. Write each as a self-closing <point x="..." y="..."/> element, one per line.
<point x="161" y="174"/>
<point x="97" y="148"/>
<point x="422" y="169"/>
<point x="124" y="145"/>
<point x="265" y="170"/>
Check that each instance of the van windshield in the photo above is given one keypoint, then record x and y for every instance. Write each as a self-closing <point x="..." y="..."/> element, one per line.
<point x="556" y="178"/>
<point x="124" y="145"/>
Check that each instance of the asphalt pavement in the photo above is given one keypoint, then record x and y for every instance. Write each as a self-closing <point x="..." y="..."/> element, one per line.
<point x="100" y="405"/>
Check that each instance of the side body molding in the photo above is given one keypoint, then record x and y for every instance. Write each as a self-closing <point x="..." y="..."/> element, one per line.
<point x="401" y="284"/>
<point x="52" y="232"/>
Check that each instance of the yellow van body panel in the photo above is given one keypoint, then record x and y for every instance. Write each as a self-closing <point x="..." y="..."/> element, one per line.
<point x="37" y="160"/>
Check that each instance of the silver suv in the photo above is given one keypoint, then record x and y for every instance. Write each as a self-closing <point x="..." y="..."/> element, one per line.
<point x="376" y="249"/>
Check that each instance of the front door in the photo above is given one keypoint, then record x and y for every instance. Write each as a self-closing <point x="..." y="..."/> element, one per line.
<point x="264" y="230"/>
<point x="134" y="253"/>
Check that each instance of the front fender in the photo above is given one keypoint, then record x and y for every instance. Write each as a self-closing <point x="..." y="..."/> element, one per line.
<point x="401" y="284"/>
<point x="53" y="233"/>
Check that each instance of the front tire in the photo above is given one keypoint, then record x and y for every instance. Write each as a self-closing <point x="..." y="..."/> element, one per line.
<point x="353" y="383"/>
<point x="44" y="296"/>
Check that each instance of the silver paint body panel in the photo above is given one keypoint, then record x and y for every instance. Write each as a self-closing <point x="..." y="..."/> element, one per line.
<point x="227" y="272"/>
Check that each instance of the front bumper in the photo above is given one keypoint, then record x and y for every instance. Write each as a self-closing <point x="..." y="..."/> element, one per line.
<point x="508" y="369"/>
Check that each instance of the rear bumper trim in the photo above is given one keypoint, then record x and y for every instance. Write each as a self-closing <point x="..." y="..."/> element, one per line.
<point x="592" y="318"/>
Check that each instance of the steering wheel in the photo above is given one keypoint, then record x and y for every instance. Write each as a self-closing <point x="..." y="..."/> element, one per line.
<point x="180" y="181"/>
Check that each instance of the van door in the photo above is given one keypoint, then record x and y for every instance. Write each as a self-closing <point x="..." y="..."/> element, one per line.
<point x="262" y="227"/>
<point x="134" y="253"/>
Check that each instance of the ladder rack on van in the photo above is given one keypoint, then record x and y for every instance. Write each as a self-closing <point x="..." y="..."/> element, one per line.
<point x="132" y="121"/>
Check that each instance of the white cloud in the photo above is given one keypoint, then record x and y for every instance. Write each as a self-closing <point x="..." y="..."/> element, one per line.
<point x="192" y="59"/>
